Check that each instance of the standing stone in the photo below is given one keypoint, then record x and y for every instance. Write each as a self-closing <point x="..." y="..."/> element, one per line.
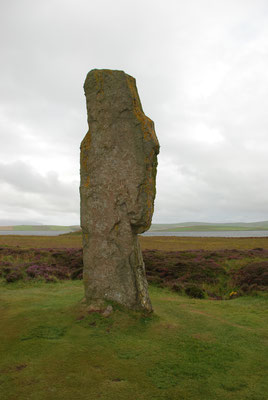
<point x="118" y="172"/>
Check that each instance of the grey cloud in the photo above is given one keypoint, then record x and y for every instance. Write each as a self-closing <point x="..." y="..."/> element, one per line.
<point x="24" y="178"/>
<point x="43" y="198"/>
<point x="201" y="70"/>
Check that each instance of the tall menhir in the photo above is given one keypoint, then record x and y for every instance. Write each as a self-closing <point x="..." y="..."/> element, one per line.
<point x="118" y="172"/>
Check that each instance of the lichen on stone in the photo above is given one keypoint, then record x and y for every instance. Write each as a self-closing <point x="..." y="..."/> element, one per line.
<point x="118" y="172"/>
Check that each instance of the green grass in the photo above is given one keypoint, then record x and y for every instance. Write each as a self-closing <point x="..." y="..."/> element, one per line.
<point x="188" y="349"/>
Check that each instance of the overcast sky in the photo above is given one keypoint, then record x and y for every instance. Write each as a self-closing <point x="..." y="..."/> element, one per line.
<point x="201" y="68"/>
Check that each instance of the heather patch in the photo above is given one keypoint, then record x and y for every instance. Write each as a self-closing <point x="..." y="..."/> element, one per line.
<point x="46" y="264"/>
<point x="214" y="274"/>
<point x="252" y="277"/>
<point x="196" y="273"/>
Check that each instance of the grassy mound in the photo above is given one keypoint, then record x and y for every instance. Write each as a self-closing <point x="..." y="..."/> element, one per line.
<point x="188" y="349"/>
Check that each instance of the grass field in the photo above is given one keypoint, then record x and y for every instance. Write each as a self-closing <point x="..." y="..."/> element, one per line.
<point x="189" y="349"/>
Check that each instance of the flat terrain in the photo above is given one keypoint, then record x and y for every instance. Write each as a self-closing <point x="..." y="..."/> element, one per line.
<point x="170" y="243"/>
<point x="174" y="243"/>
<point x="51" y="347"/>
<point x="189" y="349"/>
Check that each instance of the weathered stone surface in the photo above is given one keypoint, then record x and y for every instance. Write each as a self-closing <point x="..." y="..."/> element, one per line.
<point x="118" y="171"/>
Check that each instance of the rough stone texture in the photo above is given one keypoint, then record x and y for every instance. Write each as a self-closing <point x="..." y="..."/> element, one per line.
<point x="118" y="171"/>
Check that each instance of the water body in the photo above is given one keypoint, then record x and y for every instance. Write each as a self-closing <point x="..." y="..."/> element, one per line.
<point x="234" y="234"/>
<point x="34" y="233"/>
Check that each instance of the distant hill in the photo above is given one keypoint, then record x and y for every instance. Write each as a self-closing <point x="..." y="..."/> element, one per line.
<point x="206" y="226"/>
<point x="179" y="227"/>
<point x="12" y="222"/>
<point x="45" y="228"/>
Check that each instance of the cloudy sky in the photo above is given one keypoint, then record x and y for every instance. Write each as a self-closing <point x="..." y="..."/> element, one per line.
<point x="202" y="73"/>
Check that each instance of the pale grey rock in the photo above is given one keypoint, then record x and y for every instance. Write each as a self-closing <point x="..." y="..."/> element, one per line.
<point x="108" y="311"/>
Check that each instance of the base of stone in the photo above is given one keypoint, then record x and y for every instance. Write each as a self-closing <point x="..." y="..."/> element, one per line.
<point x="101" y="308"/>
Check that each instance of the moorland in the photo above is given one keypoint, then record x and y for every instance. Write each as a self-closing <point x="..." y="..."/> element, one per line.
<point x="207" y="337"/>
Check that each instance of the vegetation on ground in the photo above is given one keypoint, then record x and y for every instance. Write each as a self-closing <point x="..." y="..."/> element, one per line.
<point x="222" y="274"/>
<point x="191" y="349"/>
<point x="170" y="243"/>
<point x="175" y="243"/>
